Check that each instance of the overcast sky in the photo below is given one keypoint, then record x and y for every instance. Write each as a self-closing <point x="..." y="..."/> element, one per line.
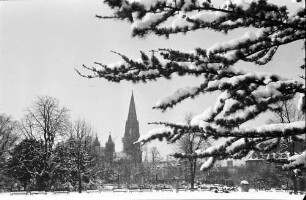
<point x="43" y="41"/>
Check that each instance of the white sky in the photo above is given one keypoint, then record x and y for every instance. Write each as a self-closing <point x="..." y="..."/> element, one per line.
<point x="43" y="41"/>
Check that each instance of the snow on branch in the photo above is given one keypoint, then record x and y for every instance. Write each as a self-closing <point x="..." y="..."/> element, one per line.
<point x="296" y="161"/>
<point x="236" y="145"/>
<point x="302" y="103"/>
<point x="156" y="134"/>
<point x="208" y="164"/>
<point x="188" y="15"/>
<point x="244" y="95"/>
<point x="171" y="132"/>
<point x="230" y="148"/>
<point x="275" y="27"/>
<point x="261" y="88"/>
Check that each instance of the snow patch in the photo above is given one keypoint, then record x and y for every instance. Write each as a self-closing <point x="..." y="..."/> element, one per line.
<point x="148" y="20"/>
<point x="207" y="164"/>
<point x="296" y="160"/>
<point x="154" y="132"/>
<point x="301" y="105"/>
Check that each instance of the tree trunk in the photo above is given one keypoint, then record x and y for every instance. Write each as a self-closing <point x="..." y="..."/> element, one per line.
<point x="40" y="186"/>
<point x="80" y="183"/>
<point x="192" y="172"/>
<point x="25" y="186"/>
<point x="294" y="179"/>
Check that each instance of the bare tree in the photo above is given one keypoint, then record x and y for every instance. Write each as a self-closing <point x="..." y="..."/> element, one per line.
<point x="45" y="119"/>
<point x="80" y="152"/>
<point x="155" y="155"/>
<point x="288" y="113"/>
<point x="8" y="135"/>
<point x="145" y="151"/>
<point x="188" y="144"/>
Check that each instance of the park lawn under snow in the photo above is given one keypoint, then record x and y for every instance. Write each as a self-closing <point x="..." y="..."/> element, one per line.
<point x="154" y="195"/>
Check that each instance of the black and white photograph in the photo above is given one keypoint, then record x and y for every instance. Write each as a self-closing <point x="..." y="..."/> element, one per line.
<point x="152" y="99"/>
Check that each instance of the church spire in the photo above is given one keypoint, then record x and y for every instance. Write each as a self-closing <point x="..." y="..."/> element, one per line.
<point x="110" y="149"/>
<point x="110" y="140"/>
<point x="96" y="142"/>
<point x="131" y="133"/>
<point x="132" y="110"/>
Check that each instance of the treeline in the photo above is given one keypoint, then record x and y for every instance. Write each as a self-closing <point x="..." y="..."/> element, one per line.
<point x="47" y="150"/>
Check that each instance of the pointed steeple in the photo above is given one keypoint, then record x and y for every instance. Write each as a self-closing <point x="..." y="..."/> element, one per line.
<point x="110" y="140"/>
<point x="96" y="143"/>
<point x="109" y="148"/>
<point x="132" y="110"/>
<point x="131" y="133"/>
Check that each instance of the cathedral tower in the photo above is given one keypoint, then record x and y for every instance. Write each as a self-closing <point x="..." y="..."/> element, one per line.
<point x="96" y="146"/>
<point x="109" y="149"/>
<point x="131" y="134"/>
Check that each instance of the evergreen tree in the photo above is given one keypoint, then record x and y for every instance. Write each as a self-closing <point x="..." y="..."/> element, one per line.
<point x="26" y="163"/>
<point x="244" y="95"/>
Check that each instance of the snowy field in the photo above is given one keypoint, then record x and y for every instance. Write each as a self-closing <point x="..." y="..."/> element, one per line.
<point x="154" y="195"/>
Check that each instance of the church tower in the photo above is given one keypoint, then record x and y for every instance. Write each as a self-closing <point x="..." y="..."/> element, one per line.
<point x="109" y="149"/>
<point x="96" y="146"/>
<point x="131" y="134"/>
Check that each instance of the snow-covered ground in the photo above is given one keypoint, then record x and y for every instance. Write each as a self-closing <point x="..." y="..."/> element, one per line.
<point x="154" y="195"/>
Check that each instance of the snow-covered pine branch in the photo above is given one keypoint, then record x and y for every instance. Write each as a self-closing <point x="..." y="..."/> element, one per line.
<point x="276" y="26"/>
<point x="189" y="15"/>
<point x="244" y="95"/>
<point x="296" y="161"/>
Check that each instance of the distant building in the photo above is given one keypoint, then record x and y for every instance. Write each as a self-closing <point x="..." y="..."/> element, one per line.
<point x="230" y="163"/>
<point x="131" y="151"/>
<point x="225" y="163"/>
<point x="257" y="159"/>
<point x="254" y="159"/>
<point x="109" y="149"/>
<point x="131" y="134"/>
<point x="127" y="162"/>
<point x="98" y="150"/>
